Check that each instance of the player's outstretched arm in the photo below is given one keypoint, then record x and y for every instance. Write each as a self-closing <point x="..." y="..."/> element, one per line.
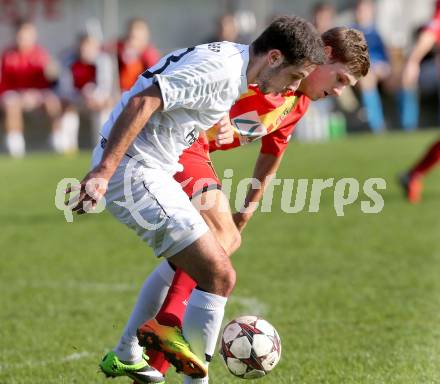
<point x="128" y="125"/>
<point x="411" y="71"/>
<point x="265" y="169"/>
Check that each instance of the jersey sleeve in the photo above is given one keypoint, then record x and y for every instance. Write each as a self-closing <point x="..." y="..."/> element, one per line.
<point x="200" y="86"/>
<point x="275" y="143"/>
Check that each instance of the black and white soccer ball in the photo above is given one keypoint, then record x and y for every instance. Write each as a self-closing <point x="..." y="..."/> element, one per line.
<point x="250" y="347"/>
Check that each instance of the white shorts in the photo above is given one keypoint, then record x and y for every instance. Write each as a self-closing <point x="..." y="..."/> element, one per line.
<point x="153" y="204"/>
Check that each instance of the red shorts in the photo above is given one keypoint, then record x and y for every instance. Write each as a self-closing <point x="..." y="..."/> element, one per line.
<point x="198" y="174"/>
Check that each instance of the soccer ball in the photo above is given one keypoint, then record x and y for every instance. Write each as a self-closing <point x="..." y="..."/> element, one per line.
<point x="250" y="347"/>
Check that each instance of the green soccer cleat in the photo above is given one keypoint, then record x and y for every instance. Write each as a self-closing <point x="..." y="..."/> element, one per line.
<point x="170" y="341"/>
<point x="141" y="372"/>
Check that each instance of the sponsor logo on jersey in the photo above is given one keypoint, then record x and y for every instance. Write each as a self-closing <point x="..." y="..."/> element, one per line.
<point x="191" y="137"/>
<point x="215" y="47"/>
<point x="249" y="127"/>
<point x="290" y="103"/>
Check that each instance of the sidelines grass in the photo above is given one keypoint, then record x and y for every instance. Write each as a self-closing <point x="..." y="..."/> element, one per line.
<point x="356" y="298"/>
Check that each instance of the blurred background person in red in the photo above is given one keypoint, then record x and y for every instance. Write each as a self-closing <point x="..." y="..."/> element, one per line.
<point x="86" y="85"/>
<point x="135" y="53"/>
<point x="411" y="181"/>
<point x="27" y="74"/>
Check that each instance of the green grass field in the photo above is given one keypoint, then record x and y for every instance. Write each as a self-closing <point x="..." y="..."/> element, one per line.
<point x="356" y="299"/>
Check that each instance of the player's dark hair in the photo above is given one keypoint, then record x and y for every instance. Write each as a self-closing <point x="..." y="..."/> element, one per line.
<point x="21" y="22"/>
<point x="296" y="38"/>
<point x="348" y="47"/>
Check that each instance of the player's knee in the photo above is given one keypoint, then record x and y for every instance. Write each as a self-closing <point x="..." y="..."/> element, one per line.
<point x="226" y="281"/>
<point x="12" y="103"/>
<point x="223" y="277"/>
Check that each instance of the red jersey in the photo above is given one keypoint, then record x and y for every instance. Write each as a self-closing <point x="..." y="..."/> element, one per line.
<point x="82" y="74"/>
<point x="254" y="116"/>
<point x="269" y="118"/>
<point x="434" y="25"/>
<point x="23" y="70"/>
<point x="132" y="64"/>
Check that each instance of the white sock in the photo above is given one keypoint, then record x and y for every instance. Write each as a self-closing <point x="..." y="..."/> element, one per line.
<point x="202" y="323"/>
<point x="57" y="141"/>
<point x="150" y="299"/>
<point x="189" y="380"/>
<point x="69" y="128"/>
<point x="15" y="144"/>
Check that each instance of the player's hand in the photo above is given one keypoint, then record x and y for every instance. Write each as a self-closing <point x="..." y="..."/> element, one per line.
<point x="241" y="219"/>
<point x="91" y="189"/>
<point x="225" y="131"/>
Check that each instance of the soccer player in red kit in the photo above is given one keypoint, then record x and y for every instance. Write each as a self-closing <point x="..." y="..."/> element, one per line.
<point x="411" y="181"/>
<point x="271" y="118"/>
<point x="27" y="73"/>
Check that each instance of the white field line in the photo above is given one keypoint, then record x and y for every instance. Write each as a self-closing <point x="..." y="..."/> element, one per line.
<point x="40" y="363"/>
<point x="250" y="305"/>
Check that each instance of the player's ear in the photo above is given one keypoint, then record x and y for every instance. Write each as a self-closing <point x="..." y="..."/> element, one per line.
<point x="328" y="50"/>
<point x="275" y="58"/>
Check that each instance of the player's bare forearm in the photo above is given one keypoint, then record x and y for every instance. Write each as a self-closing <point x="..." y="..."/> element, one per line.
<point x="128" y="125"/>
<point x="265" y="169"/>
<point x="425" y="43"/>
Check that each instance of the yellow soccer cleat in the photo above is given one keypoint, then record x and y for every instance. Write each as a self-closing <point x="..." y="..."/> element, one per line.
<point x="171" y="342"/>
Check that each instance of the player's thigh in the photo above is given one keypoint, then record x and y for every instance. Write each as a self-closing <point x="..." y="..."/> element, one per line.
<point x="214" y="207"/>
<point x="32" y="99"/>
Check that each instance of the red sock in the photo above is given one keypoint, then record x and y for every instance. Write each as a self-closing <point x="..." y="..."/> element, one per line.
<point x="172" y="312"/>
<point x="431" y="158"/>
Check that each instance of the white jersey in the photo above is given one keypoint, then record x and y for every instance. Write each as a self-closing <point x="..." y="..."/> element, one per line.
<point x="198" y="87"/>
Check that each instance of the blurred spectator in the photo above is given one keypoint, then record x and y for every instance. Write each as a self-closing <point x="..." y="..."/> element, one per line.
<point x="324" y="118"/>
<point x="86" y="85"/>
<point x="316" y="122"/>
<point x="380" y="68"/>
<point x="27" y="74"/>
<point x="428" y="38"/>
<point x="226" y="29"/>
<point x="396" y="38"/>
<point x="246" y="24"/>
<point x="323" y="16"/>
<point x="411" y="181"/>
<point x="135" y="53"/>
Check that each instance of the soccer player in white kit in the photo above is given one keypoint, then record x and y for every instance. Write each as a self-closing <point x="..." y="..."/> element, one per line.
<point x="187" y="91"/>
